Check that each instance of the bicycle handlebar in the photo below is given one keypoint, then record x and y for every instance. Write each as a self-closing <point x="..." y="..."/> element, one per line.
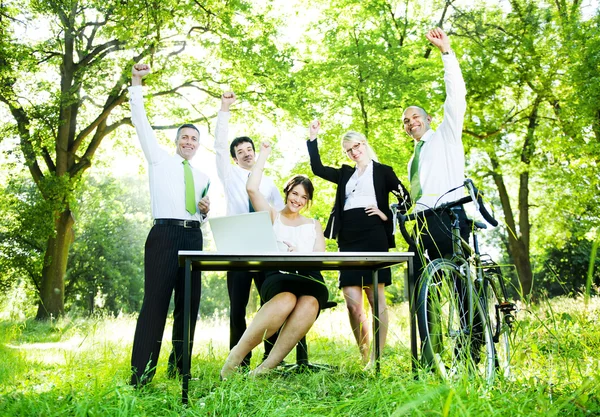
<point x="474" y="196"/>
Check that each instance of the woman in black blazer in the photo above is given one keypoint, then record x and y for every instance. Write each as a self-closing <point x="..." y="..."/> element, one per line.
<point x="361" y="221"/>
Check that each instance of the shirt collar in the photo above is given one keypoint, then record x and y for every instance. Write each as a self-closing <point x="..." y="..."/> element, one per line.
<point x="369" y="166"/>
<point x="427" y="135"/>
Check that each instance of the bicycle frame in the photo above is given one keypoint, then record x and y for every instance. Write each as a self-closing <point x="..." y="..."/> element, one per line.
<point x="470" y="283"/>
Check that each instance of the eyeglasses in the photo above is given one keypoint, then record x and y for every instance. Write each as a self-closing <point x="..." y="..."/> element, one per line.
<point x="353" y="148"/>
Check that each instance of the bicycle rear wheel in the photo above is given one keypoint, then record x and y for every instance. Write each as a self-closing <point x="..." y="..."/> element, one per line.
<point x="451" y="344"/>
<point x="499" y="313"/>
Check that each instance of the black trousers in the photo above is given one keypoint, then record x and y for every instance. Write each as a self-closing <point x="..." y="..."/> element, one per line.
<point x="238" y="287"/>
<point x="162" y="276"/>
<point x="433" y="237"/>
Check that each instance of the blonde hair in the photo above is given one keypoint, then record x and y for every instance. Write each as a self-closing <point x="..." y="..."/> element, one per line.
<point x="357" y="137"/>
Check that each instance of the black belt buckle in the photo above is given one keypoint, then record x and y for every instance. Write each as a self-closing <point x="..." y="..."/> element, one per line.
<point x="188" y="224"/>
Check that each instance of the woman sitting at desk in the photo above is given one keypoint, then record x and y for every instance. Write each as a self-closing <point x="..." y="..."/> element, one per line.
<point x="292" y="299"/>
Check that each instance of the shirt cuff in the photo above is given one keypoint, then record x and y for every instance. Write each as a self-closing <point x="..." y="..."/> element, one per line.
<point x="136" y="91"/>
<point x="224" y="115"/>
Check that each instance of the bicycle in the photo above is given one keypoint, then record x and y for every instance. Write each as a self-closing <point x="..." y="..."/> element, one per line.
<point x="464" y="314"/>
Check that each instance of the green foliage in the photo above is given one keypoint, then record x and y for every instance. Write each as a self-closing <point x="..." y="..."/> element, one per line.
<point x="23" y="232"/>
<point x="215" y="299"/>
<point x="532" y="132"/>
<point x="106" y="269"/>
<point x="64" y="85"/>
<point x="565" y="269"/>
<point x="79" y="367"/>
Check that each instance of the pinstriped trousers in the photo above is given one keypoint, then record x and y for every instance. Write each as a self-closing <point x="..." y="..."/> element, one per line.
<point x="162" y="276"/>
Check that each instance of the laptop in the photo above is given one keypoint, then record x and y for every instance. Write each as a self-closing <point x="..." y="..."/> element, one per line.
<point x="244" y="234"/>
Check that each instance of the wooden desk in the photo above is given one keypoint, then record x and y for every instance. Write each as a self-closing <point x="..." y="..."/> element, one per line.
<point x="213" y="261"/>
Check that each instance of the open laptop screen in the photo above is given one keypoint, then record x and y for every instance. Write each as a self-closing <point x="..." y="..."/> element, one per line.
<point x="250" y="233"/>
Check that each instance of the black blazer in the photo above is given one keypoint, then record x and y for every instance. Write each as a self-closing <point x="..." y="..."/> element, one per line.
<point x="385" y="182"/>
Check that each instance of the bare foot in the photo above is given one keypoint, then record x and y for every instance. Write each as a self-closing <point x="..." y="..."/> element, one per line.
<point x="229" y="368"/>
<point x="364" y="353"/>
<point x="369" y="367"/>
<point x="260" y="370"/>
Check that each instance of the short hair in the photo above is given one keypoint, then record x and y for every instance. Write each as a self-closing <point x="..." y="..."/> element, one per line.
<point x="352" y="136"/>
<point x="302" y="180"/>
<point x="238" y="141"/>
<point x="186" y="125"/>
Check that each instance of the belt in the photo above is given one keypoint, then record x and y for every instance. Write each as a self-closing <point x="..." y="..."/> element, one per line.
<point x="187" y="224"/>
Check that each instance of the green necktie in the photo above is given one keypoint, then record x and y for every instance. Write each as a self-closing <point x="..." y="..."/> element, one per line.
<point x="415" y="185"/>
<point x="190" y="197"/>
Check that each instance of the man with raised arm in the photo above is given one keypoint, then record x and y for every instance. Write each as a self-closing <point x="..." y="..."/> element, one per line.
<point x="234" y="178"/>
<point x="179" y="206"/>
<point x="438" y="163"/>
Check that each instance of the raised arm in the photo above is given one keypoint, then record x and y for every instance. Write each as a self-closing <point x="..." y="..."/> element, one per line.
<point x="317" y="167"/>
<point x="455" y="105"/>
<point x="319" y="238"/>
<point x="152" y="150"/>
<point x="221" y="136"/>
<point x="259" y="202"/>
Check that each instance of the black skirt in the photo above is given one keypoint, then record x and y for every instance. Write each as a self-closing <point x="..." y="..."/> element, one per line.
<point x="362" y="233"/>
<point x="297" y="282"/>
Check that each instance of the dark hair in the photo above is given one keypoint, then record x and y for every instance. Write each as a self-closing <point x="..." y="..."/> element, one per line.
<point x="302" y="180"/>
<point x="236" y="142"/>
<point x="186" y="125"/>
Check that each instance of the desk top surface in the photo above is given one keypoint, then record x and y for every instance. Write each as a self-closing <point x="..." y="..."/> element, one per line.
<point x="215" y="261"/>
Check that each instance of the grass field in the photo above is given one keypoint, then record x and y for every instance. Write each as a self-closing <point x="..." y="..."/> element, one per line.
<point x="79" y="367"/>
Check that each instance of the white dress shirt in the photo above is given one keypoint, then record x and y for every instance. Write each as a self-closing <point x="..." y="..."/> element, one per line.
<point x="234" y="178"/>
<point x="167" y="184"/>
<point x="360" y="191"/>
<point x="442" y="157"/>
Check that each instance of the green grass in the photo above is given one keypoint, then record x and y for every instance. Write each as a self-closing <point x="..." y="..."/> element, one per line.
<point x="77" y="367"/>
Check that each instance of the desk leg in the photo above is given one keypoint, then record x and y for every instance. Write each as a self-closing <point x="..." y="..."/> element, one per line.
<point x="413" y="324"/>
<point x="376" y="318"/>
<point x="186" y="330"/>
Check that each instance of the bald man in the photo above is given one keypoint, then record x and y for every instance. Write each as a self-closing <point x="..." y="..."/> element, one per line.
<point x="438" y="164"/>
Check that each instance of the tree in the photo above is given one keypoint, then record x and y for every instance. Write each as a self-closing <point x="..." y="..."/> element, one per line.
<point x="519" y="98"/>
<point x="22" y="232"/>
<point x="526" y="70"/>
<point x="106" y="264"/>
<point x="65" y="90"/>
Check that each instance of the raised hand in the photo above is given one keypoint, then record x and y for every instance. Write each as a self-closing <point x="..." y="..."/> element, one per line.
<point x="313" y="129"/>
<point x="227" y="99"/>
<point x="265" y="148"/>
<point x="439" y="39"/>
<point x="140" y="70"/>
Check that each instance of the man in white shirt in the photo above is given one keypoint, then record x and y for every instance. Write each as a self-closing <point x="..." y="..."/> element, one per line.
<point x="179" y="206"/>
<point x="234" y="178"/>
<point x="440" y="164"/>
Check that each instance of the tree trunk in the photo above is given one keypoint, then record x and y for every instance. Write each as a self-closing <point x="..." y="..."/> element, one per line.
<point x="55" y="266"/>
<point x="519" y="249"/>
<point x="520" y="255"/>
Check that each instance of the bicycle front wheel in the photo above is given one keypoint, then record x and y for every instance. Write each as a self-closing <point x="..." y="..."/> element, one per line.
<point x="454" y="342"/>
